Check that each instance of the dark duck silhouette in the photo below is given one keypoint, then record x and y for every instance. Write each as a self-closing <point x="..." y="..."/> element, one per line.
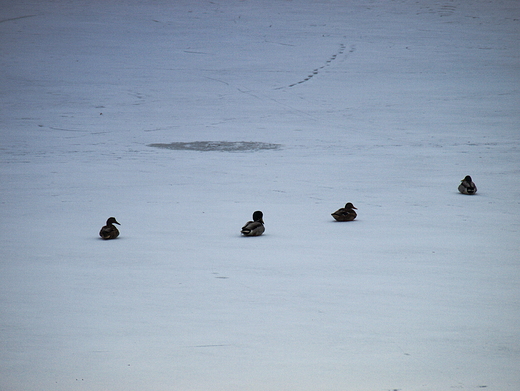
<point x="109" y="231"/>
<point x="467" y="186"/>
<point x="255" y="227"/>
<point x="345" y="214"/>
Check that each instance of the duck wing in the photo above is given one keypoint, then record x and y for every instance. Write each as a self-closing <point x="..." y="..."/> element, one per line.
<point x="467" y="188"/>
<point x="343" y="214"/>
<point x="109" y="232"/>
<point x="253" y="228"/>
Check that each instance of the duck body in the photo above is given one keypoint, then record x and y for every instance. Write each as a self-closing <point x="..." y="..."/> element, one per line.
<point x="255" y="227"/>
<point x="467" y="186"/>
<point x="109" y="231"/>
<point x="345" y="214"/>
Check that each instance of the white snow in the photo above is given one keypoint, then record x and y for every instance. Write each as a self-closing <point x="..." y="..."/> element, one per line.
<point x="386" y="104"/>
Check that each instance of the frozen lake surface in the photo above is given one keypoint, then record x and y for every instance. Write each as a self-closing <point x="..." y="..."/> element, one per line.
<point x="181" y="118"/>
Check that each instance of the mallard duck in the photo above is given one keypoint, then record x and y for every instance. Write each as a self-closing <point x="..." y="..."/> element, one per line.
<point x="467" y="186"/>
<point x="109" y="231"/>
<point x="255" y="227"/>
<point x="345" y="214"/>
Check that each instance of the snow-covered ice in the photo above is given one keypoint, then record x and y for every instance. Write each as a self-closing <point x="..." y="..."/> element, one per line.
<point x="181" y="118"/>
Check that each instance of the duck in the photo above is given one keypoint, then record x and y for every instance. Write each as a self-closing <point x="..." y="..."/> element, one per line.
<point x="109" y="231"/>
<point x="255" y="227"/>
<point x="345" y="214"/>
<point x="467" y="186"/>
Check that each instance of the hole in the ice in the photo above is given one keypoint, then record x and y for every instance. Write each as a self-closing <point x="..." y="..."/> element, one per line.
<point x="221" y="146"/>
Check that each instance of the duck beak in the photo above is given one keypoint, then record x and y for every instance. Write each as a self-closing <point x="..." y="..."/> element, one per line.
<point x="115" y="222"/>
<point x="354" y="207"/>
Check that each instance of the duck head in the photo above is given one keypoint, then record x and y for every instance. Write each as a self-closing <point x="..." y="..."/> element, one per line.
<point x="112" y="220"/>
<point x="350" y="206"/>
<point x="258" y="216"/>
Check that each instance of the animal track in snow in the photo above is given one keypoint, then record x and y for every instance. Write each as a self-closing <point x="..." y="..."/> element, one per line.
<point x="221" y="146"/>
<point x="442" y="10"/>
<point x="315" y="71"/>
